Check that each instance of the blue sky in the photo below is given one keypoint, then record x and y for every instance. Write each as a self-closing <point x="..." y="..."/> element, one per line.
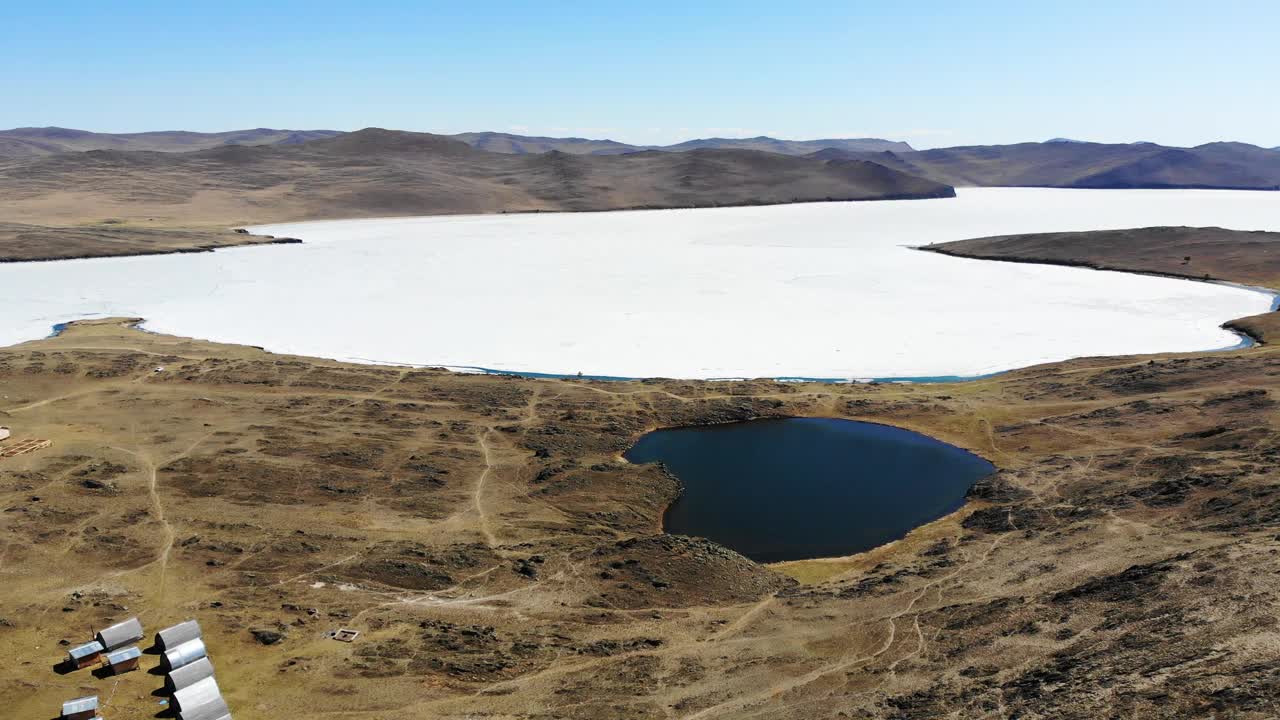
<point x="931" y="73"/>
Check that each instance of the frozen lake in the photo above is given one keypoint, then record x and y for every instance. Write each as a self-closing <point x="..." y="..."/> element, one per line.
<point x="817" y="290"/>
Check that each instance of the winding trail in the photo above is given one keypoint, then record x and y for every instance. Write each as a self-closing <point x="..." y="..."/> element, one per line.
<point x="170" y="534"/>
<point x="478" y="496"/>
<point x="47" y="401"/>
<point x="740" y="703"/>
<point x="744" y="619"/>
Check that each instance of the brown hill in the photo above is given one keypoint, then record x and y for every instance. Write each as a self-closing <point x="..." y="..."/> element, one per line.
<point x="1208" y="253"/>
<point x="25" y="243"/>
<point x="1055" y="163"/>
<point x="792" y="147"/>
<point x="381" y="172"/>
<point x="32" y="142"/>
<point x="525" y="144"/>
<point x="532" y="145"/>
<point x="1193" y="252"/>
<point x="1088" y="165"/>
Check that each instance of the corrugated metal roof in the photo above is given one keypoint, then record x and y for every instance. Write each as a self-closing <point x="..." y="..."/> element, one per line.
<point x="196" y="694"/>
<point x="215" y="709"/>
<point x="184" y="654"/>
<point x="121" y="634"/>
<point x="190" y="674"/>
<point x="80" y="705"/>
<point x="85" y="650"/>
<point x="120" y="656"/>
<point x="178" y="634"/>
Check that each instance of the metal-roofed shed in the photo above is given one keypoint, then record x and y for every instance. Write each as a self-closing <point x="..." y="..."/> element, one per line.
<point x="184" y="654"/>
<point x="84" y="708"/>
<point x="82" y="656"/>
<point x="196" y="694"/>
<point x="215" y="709"/>
<point x="121" y="634"/>
<point x="124" y="660"/>
<point x="172" y="637"/>
<point x="188" y="674"/>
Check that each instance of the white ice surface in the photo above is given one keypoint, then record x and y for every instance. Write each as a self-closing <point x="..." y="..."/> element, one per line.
<point x="816" y="290"/>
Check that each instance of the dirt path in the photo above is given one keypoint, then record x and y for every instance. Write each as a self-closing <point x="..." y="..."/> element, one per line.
<point x="744" y="619"/>
<point x="739" y="703"/>
<point x="48" y="401"/>
<point x="157" y="503"/>
<point x="478" y="496"/>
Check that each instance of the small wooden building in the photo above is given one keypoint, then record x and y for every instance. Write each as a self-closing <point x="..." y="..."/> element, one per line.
<point x="184" y="654"/>
<point x="82" y="656"/>
<point x="121" y="634"/>
<point x="188" y="675"/>
<point x="85" y="708"/>
<point x="122" y="661"/>
<point x="4" y="433"/>
<point x="172" y="637"/>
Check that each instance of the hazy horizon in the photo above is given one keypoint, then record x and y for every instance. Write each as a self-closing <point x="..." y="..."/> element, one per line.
<point x="530" y="133"/>
<point x="938" y="75"/>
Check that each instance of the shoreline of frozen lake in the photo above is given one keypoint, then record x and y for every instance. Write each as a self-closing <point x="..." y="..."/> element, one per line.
<point x="825" y="290"/>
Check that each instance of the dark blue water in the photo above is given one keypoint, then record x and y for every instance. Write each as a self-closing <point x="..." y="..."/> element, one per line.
<point x="807" y="487"/>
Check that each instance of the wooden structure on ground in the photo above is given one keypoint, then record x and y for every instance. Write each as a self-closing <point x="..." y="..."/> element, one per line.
<point x="22" y="447"/>
<point x="122" y="661"/>
<point x="84" y="708"/>
<point x="83" y="656"/>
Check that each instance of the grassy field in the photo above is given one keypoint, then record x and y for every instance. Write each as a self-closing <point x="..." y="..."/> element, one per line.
<point x="500" y="560"/>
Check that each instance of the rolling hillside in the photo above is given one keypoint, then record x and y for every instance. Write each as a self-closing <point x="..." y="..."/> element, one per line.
<point x="377" y="172"/>
<point x="532" y="145"/>
<point x="522" y="144"/>
<point x="1088" y="165"/>
<point x="1060" y="162"/>
<point x="33" y="142"/>
<point x="792" y="147"/>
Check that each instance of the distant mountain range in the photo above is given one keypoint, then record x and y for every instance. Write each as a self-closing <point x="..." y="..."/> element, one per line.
<point x="532" y="145"/>
<point x="30" y="142"/>
<point x="1071" y="164"/>
<point x="792" y="147"/>
<point x="1060" y="162"/>
<point x="26" y="142"/>
<point x="376" y="172"/>
<point x="522" y="144"/>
